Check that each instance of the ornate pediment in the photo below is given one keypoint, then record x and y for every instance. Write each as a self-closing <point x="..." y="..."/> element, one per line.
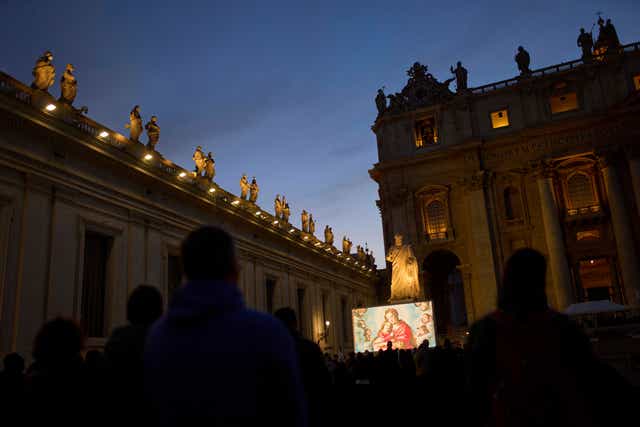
<point x="421" y="90"/>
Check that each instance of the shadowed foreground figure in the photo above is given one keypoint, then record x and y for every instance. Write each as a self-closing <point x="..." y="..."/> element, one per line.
<point x="530" y="365"/>
<point x="211" y="361"/>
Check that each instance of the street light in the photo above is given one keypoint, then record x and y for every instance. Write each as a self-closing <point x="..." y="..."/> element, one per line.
<point x="325" y="335"/>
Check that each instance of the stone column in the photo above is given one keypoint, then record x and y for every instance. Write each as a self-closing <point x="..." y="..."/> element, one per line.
<point x="484" y="284"/>
<point x="622" y="231"/>
<point x="553" y="234"/>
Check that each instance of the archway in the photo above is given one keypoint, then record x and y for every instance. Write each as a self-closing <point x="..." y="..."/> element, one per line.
<point x="444" y="286"/>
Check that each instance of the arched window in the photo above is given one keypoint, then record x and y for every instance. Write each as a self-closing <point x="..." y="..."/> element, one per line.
<point x="436" y="219"/>
<point x="580" y="191"/>
<point x="512" y="203"/>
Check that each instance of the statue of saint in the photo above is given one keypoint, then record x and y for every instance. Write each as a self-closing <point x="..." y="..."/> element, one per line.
<point x="68" y="86"/>
<point x="135" y="124"/>
<point x="305" y="221"/>
<point x="381" y="101"/>
<point x="253" y="190"/>
<point x="278" y="206"/>
<point x="153" y="132"/>
<point x="346" y="245"/>
<point x="362" y="255"/>
<point x="523" y="60"/>
<point x="404" y="271"/>
<point x="44" y="73"/>
<point x="200" y="161"/>
<point x="328" y="235"/>
<point x="612" y="34"/>
<point x="585" y="41"/>
<point x="286" y="212"/>
<point x="244" y="187"/>
<point x="461" y="77"/>
<point x="210" y="167"/>
<point x="312" y="225"/>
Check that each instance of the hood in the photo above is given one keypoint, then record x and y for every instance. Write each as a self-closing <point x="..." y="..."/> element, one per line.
<point x="200" y="299"/>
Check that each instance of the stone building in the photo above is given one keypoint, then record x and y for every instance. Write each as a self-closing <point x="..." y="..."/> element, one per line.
<point x="87" y="214"/>
<point x="548" y="160"/>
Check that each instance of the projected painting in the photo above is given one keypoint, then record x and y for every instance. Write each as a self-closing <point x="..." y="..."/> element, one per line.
<point x="405" y="325"/>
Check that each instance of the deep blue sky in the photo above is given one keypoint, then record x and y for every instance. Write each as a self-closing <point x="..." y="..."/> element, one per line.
<point x="284" y="90"/>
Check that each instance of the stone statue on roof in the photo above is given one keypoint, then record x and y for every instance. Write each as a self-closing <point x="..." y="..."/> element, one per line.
<point x="153" y="132"/>
<point x="523" y="60"/>
<point x="44" y="73"/>
<point x="68" y="86"/>
<point x="278" y="206"/>
<point x="381" y="101"/>
<point x="253" y="190"/>
<point x="135" y="124"/>
<point x="210" y="167"/>
<point x="585" y="42"/>
<point x="304" y="219"/>
<point x="328" y="235"/>
<point x="461" y="77"/>
<point x="312" y="225"/>
<point x="200" y="161"/>
<point x="244" y="187"/>
<point x="286" y="212"/>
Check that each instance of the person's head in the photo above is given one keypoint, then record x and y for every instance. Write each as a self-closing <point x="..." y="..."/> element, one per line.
<point x="13" y="363"/>
<point x="523" y="284"/>
<point x="447" y="343"/>
<point x="144" y="306"/>
<point x="58" y="342"/>
<point x="389" y="345"/>
<point x="287" y="316"/>
<point x="208" y="253"/>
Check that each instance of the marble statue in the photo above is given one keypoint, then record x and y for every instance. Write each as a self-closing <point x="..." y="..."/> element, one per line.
<point x="362" y="255"/>
<point x="328" y="235"/>
<point x="200" y="161"/>
<point x="312" y="225"/>
<point x="44" y="73"/>
<point x="153" y="132"/>
<point x="608" y="40"/>
<point x="286" y="212"/>
<point x="404" y="271"/>
<point x="346" y="245"/>
<point x="244" y="186"/>
<point x="210" y="167"/>
<point x="304" y="216"/>
<point x="135" y="124"/>
<point x="461" y="77"/>
<point x="381" y="101"/>
<point x="277" y="206"/>
<point x="253" y="190"/>
<point x="68" y="86"/>
<point x="585" y="42"/>
<point x="523" y="60"/>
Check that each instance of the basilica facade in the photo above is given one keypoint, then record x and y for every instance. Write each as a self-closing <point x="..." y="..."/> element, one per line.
<point x="87" y="214"/>
<point x="547" y="159"/>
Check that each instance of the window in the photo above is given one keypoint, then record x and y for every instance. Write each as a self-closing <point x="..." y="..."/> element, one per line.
<point x="596" y="279"/>
<point x="174" y="273"/>
<point x="301" y="312"/>
<point x="636" y="81"/>
<point x="426" y="132"/>
<point x="271" y="291"/>
<point x="580" y="191"/>
<point x="512" y="204"/>
<point x="97" y="249"/>
<point x="563" y="103"/>
<point x="436" y="220"/>
<point x="499" y="119"/>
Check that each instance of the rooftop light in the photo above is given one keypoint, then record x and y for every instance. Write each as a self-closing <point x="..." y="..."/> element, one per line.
<point x="50" y="107"/>
<point x="212" y="190"/>
<point x="306" y="237"/>
<point x="148" y="157"/>
<point x="275" y="222"/>
<point x="258" y="213"/>
<point x="235" y="202"/>
<point x="292" y="230"/>
<point x="104" y="134"/>
<point x="182" y="174"/>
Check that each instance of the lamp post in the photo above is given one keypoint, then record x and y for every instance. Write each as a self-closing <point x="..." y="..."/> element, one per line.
<point x="325" y="335"/>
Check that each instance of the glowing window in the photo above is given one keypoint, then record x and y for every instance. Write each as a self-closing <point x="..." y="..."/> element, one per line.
<point x="563" y="103"/>
<point x="436" y="219"/>
<point x="636" y="81"/>
<point x="580" y="189"/>
<point x="500" y="119"/>
<point x="426" y="132"/>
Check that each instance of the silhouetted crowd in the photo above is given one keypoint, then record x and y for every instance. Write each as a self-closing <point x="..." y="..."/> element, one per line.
<point x="208" y="360"/>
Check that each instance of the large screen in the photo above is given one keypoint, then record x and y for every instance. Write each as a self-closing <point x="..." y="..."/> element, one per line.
<point x="405" y="325"/>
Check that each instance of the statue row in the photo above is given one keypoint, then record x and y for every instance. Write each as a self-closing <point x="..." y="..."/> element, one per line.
<point x="44" y="74"/>
<point x="308" y="224"/>
<point x="135" y="128"/>
<point x="281" y="208"/>
<point x="249" y="189"/>
<point x="607" y="42"/>
<point x="205" y="165"/>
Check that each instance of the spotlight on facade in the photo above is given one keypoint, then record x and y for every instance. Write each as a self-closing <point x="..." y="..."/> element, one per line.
<point x="258" y="213"/>
<point x="212" y="190"/>
<point x="182" y="174"/>
<point x="50" y="107"/>
<point x="306" y="237"/>
<point x="235" y="202"/>
<point x="327" y="323"/>
<point x="292" y="230"/>
<point x="275" y="222"/>
<point x="148" y="157"/>
<point x="104" y="134"/>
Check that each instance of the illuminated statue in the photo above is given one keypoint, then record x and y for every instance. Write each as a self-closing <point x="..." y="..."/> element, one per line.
<point x="253" y="190"/>
<point x="200" y="160"/>
<point x="585" y="41"/>
<point x="210" y="167"/>
<point x="305" y="221"/>
<point x="461" y="77"/>
<point x="135" y="124"/>
<point x="346" y="245"/>
<point x="404" y="271"/>
<point x="68" y="86"/>
<point x="608" y="40"/>
<point x="44" y="73"/>
<point x="328" y="235"/>
<point x="362" y="256"/>
<point x="381" y="101"/>
<point x="523" y="60"/>
<point x="312" y="225"/>
<point x="278" y="206"/>
<point x="153" y="132"/>
<point x="244" y="186"/>
<point x="286" y="212"/>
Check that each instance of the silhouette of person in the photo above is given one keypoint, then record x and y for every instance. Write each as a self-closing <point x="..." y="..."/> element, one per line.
<point x="12" y="387"/>
<point x="211" y="360"/>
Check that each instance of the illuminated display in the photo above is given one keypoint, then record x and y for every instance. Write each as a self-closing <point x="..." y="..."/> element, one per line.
<point x="405" y="325"/>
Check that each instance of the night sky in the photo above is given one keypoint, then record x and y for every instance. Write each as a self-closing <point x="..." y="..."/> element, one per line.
<point x="284" y="90"/>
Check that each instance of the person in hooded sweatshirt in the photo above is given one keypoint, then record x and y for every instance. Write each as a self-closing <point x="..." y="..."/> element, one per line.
<point x="209" y="359"/>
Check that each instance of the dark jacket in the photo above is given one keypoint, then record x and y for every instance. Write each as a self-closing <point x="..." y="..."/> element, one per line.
<point x="211" y="360"/>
